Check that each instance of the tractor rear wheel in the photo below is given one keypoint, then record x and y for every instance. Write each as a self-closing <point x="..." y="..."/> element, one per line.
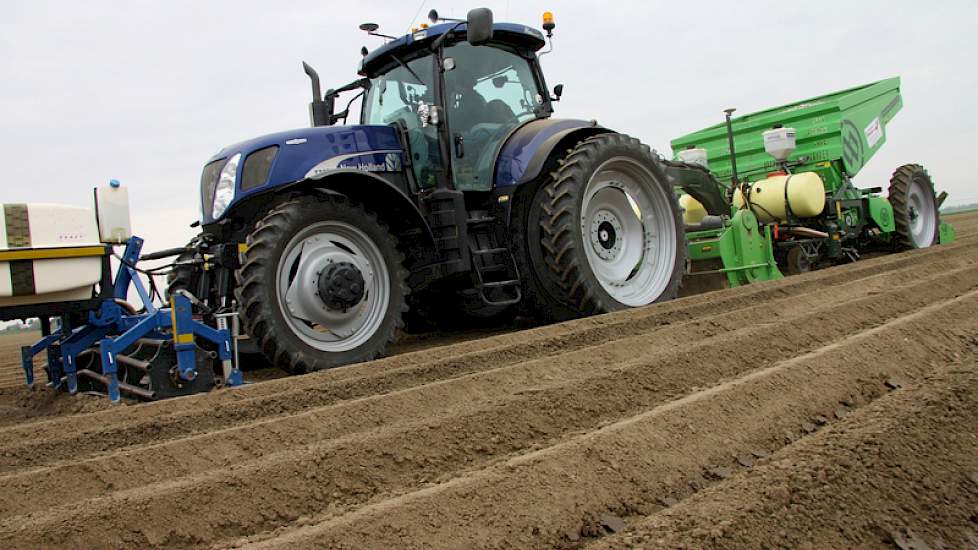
<point x="322" y="284"/>
<point x="541" y="291"/>
<point x="611" y="231"/>
<point x="915" y="210"/>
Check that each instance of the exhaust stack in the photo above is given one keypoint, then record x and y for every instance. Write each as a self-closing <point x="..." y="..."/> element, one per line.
<point x="319" y="111"/>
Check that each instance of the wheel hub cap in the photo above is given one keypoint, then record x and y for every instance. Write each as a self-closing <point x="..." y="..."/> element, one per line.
<point x="922" y="213"/>
<point x="333" y="286"/>
<point x="341" y="285"/>
<point x="605" y="232"/>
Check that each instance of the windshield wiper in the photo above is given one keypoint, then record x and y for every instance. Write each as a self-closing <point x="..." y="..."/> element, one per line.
<point x="408" y="69"/>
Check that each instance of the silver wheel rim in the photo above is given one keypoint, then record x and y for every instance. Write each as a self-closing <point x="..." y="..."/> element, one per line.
<point x="923" y="215"/>
<point x="629" y="232"/>
<point x="304" y="258"/>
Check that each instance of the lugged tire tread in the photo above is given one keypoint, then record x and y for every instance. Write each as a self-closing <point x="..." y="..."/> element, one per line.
<point x="900" y="183"/>
<point x="559" y="225"/>
<point x="258" y="320"/>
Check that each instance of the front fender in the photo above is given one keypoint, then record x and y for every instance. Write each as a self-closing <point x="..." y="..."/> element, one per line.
<point x="394" y="207"/>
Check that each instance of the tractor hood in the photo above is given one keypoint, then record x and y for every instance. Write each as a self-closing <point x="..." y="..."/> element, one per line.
<point x="290" y="156"/>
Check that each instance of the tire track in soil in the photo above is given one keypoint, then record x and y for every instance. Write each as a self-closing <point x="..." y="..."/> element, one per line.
<point x="180" y="417"/>
<point x="151" y="497"/>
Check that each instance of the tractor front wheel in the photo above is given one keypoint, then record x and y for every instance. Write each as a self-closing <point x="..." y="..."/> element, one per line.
<point x="611" y="228"/>
<point x="322" y="284"/>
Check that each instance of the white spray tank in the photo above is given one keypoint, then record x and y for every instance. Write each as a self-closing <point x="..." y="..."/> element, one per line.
<point x="112" y="211"/>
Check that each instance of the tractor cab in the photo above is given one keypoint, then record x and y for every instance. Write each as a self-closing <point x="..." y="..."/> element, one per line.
<point x="455" y="95"/>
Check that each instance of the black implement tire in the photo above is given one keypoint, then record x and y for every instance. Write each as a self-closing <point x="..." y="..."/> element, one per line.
<point x="612" y="230"/>
<point x="914" y="207"/>
<point x="277" y="247"/>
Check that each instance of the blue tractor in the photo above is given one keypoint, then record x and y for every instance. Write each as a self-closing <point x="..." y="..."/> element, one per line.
<point x="457" y="190"/>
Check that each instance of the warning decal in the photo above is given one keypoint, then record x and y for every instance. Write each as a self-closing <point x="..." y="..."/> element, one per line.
<point x="874" y="132"/>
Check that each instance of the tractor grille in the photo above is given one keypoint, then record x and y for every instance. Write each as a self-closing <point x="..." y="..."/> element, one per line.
<point x="208" y="182"/>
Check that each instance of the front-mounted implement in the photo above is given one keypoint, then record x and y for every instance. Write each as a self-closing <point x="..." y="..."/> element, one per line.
<point x="100" y="342"/>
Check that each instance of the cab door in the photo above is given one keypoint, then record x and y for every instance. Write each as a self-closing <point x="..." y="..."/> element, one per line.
<point x="405" y="97"/>
<point x="489" y="91"/>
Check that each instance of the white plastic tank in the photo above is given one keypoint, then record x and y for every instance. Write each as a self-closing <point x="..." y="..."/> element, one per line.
<point x="779" y="143"/>
<point x="694" y="156"/>
<point x="29" y="233"/>
<point x="112" y="205"/>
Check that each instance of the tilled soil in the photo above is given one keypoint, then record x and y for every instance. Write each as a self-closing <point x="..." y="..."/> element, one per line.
<point x="902" y="471"/>
<point x="635" y="422"/>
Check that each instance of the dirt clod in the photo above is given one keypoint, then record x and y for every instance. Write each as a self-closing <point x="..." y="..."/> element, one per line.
<point x="668" y="501"/>
<point x="720" y="472"/>
<point x="908" y="540"/>
<point x="612" y="523"/>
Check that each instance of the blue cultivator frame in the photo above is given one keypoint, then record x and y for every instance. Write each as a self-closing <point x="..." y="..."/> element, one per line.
<point x="114" y="329"/>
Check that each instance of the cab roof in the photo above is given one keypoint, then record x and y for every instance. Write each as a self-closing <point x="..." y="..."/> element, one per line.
<point x="520" y="36"/>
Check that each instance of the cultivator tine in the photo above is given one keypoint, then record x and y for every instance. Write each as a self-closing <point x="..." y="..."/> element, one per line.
<point x="27" y="362"/>
<point x="109" y="369"/>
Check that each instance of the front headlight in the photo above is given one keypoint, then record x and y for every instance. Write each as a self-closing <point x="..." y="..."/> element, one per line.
<point x="224" y="192"/>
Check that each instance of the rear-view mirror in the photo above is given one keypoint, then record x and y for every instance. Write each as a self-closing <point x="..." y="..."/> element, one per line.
<point x="479" y="26"/>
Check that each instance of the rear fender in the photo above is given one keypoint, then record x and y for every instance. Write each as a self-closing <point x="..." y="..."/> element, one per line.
<point x="527" y="152"/>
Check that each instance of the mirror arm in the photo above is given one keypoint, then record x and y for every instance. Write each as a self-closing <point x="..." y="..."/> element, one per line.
<point x="441" y="39"/>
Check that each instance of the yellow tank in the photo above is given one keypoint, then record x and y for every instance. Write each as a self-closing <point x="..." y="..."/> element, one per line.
<point x="804" y="193"/>
<point x="693" y="211"/>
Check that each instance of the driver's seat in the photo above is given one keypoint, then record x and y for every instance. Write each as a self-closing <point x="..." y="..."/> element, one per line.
<point x="497" y="111"/>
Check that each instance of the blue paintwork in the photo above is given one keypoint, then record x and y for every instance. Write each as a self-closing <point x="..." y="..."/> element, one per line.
<point x="516" y="153"/>
<point x="528" y="36"/>
<point x="295" y="158"/>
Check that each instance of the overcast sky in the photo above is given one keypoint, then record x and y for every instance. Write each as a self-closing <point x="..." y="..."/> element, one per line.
<point x="145" y="92"/>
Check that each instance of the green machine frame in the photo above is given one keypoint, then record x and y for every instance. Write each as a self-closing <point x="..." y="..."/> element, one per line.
<point x="836" y="136"/>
